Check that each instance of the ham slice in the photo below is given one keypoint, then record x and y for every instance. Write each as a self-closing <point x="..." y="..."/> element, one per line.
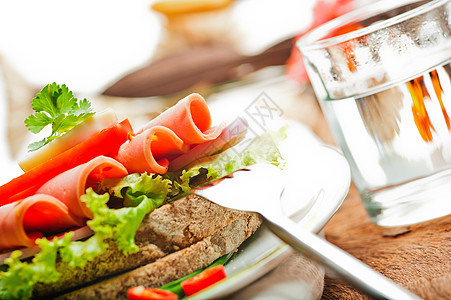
<point x="70" y="185"/>
<point x="150" y="150"/>
<point x="169" y="135"/>
<point x="190" y="120"/>
<point x="230" y="136"/>
<point x="21" y="222"/>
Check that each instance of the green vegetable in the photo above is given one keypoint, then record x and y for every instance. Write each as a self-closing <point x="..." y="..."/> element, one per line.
<point x="175" y="286"/>
<point x="169" y="186"/>
<point x="117" y="224"/>
<point x="55" y="105"/>
<point x="262" y="149"/>
<point x="134" y="188"/>
<point x="120" y="224"/>
<point x="18" y="281"/>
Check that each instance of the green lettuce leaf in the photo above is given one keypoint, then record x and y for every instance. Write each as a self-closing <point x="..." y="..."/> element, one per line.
<point x="78" y="253"/>
<point x="18" y="281"/>
<point x="118" y="224"/>
<point x="134" y="188"/>
<point x="262" y="149"/>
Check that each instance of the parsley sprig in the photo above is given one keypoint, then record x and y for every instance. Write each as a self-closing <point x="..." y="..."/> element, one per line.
<point x="56" y="105"/>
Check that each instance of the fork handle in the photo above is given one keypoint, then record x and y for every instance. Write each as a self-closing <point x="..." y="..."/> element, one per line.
<point x="336" y="260"/>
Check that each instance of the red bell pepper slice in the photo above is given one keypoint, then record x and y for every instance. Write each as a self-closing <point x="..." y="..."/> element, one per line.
<point x="142" y="293"/>
<point x="106" y="142"/>
<point x="203" y="280"/>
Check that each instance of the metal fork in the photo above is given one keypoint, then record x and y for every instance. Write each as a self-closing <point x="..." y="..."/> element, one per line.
<point x="259" y="190"/>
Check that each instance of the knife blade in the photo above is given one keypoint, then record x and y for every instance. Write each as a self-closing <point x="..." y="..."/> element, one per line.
<point x="201" y="65"/>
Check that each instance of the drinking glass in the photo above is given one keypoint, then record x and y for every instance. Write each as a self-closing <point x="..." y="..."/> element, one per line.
<point x="382" y="76"/>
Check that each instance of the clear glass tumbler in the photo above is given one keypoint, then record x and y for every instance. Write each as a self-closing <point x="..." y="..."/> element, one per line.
<point x="382" y="75"/>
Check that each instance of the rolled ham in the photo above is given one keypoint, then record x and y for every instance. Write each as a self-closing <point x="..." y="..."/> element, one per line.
<point x="169" y="135"/>
<point x="151" y="150"/>
<point x="190" y="120"/>
<point x="21" y="222"/>
<point x="230" y="136"/>
<point x="70" y="185"/>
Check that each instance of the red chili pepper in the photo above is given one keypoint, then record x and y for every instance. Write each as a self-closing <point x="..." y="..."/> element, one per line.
<point x="142" y="293"/>
<point x="203" y="280"/>
<point x="106" y="142"/>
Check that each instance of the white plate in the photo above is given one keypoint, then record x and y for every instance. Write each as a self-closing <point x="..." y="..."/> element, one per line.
<point x="319" y="180"/>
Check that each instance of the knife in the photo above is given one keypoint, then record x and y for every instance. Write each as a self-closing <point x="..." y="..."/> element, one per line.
<point x="202" y="65"/>
<point x="259" y="189"/>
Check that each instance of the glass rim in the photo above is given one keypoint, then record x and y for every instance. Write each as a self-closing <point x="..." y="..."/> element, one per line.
<point x="314" y="40"/>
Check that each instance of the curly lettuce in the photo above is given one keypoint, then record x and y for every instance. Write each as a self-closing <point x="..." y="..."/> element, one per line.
<point x="262" y="149"/>
<point x="18" y="281"/>
<point x="135" y="188"/>
<point x="119" y="225"/>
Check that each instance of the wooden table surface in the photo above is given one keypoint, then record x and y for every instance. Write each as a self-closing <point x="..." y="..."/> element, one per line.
<point x="417" y="257"/>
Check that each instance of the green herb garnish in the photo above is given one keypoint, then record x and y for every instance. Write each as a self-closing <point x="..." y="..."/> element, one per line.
<point x="56" y="105"/>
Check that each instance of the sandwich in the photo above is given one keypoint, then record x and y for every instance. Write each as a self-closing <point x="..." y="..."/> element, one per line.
<point x="102" y="208"/>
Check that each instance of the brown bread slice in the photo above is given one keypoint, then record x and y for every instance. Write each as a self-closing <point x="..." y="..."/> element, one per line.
<point x="175" y="265"/>
<point x="172" y="227"/>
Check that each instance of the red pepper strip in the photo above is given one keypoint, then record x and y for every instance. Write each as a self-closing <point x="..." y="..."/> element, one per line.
<point x="142" y="293"/>
<point x="203" y="280"/>
<point x="106" y="142"/>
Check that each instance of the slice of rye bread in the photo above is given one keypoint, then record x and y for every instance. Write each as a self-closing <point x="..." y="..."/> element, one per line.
<point x="175" y="265"/>
<point x="172" y="227"/>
